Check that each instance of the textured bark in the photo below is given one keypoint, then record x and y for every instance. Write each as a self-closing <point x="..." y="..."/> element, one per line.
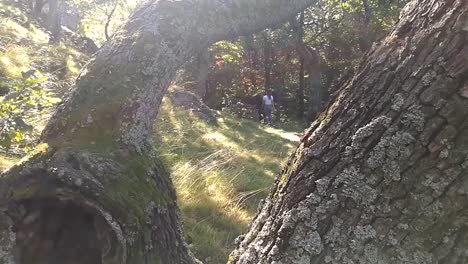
<point x="382" y="175"/>
<point x="95" y="158"/>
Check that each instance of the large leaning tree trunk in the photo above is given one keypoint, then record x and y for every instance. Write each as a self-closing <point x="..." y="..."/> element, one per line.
<point x="382" y="176"/>
<point x="93" y="191"/>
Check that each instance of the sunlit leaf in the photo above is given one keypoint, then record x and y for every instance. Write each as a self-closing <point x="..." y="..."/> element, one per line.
<point x="18" y="136"/>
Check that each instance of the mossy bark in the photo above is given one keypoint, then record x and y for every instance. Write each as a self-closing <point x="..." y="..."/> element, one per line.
<point x="381" y="176"/>
<point x="95" y="158"/>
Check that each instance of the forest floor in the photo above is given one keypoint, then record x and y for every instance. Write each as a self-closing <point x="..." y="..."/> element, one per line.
<point x="220" y="172"/>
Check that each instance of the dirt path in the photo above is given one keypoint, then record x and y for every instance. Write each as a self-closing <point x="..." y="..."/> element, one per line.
<point x="291" y="136"/>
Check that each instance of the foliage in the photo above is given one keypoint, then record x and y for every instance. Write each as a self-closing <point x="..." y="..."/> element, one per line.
<point x="26" y="100"/>
<point x="227" y="52"/>
<point x="339" y="30"/>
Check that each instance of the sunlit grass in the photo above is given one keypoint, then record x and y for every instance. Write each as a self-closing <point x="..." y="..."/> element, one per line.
<point x="23" y="45"/>
<point x="31" y="32"/>
<point x="12" y="11"/>
<point x="13" y="60"/>
<point x="220" y="173"/>
<point x="7" y="161"/>
<point x="20" y="46"/>
<point x="72" y="66"/>
<point x="71" y="59"/>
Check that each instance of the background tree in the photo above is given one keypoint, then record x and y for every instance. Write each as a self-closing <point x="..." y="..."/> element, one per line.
<point x="53" y="19"/>
<point x="381" y="176"/>
<point x="298" y="30"/>
<point x="38" y="5"/>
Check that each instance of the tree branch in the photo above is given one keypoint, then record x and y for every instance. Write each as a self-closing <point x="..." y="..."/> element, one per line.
<point x="109" y="17"/>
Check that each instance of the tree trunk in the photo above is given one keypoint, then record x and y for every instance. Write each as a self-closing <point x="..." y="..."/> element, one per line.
<point x="300" y="91"/>
<point x="309" y="60"/>
<point x="204" y="65"/>
<point x="315" y="92"/>
<point x="93" y="191"/>
<point x="367" y="12"/>
<point x="38" y="5"/>
<point x="252" y="59"/>
<point x="382" y="176"/>
<point x="268" y="60"/>
<point x="278" y="78"/>
<point x="53" y="20"/>
<point x="365" y="38"/>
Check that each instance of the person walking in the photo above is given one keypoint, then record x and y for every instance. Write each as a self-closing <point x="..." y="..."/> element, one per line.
<point x="267" y="106"/>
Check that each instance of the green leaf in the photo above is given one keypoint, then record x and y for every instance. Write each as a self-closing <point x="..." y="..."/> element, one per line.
<point x="18" y="136"/>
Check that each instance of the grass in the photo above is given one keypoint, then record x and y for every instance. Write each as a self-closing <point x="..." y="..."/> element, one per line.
<point x="7" y="161"/>
<point x="18" y="41"/>
<point x="220" y="174"/>
<point x="24" y="45"/>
